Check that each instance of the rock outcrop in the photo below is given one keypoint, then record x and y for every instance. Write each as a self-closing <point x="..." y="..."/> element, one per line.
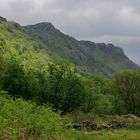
<point x="3" y="19"/>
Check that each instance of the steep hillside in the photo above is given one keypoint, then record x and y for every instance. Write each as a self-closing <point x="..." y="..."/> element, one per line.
<point x="47" y="43"/>
<point x="14" y="43"/>
<point x="90" y="57"/>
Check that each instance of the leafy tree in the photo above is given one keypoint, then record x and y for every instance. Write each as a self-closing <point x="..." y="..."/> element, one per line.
<point x="98" y="97"/>
<point x="126" y="87"/>
<point x="63" y="88"/>
<point x="17" y="82"/>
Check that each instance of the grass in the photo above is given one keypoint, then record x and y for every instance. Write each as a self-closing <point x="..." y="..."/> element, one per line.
<point x="130" y="133"/>
<point x="120" y="134"/>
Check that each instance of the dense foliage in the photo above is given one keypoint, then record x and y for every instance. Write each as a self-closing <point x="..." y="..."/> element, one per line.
<point x="126" y="86"/>
<point x="30" y="81"/>
<point x="18" y="82"/>
<point x="62" y="88"/>
<point x="20" y="119"/>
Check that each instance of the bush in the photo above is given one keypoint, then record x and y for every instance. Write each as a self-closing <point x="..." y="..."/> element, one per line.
<point x="26" y="119"/>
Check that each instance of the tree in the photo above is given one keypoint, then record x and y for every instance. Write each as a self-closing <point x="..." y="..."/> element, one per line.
<point x="98" y="95"/>
<point x="18" y="82"/>
<point x="126" y="87"/>
<point x="63" y="88"/>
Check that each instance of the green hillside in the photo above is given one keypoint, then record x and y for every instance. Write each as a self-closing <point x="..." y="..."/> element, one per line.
<point x="42" y="42"/>
<point x="90" y="57"/>
<point x="15" y="43"/>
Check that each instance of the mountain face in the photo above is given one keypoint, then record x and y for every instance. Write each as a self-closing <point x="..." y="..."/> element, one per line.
<point x="87" y="56"/>
<point x="2" y="19"/>
<point x="90" y="57"/>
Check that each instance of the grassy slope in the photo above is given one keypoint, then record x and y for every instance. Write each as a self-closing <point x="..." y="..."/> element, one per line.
<point x="19" y="45"/>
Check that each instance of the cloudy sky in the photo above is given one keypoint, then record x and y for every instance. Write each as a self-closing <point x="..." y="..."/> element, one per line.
<point x="109" y="21"/>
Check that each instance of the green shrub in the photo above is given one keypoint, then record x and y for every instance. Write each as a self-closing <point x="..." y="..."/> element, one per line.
<point x="19" y="117"/>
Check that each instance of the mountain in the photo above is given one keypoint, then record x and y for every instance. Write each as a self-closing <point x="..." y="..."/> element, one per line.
<point x="3" y="19"/>
<point x="47" y="42"/>
<point x="90" y="57"/>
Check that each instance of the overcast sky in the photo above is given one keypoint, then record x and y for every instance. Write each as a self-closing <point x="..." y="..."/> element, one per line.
<point x="109" y="21"/>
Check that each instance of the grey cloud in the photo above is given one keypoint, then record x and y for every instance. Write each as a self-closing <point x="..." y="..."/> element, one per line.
<point x="23" y="6"/>
<point x="115" y="21"/>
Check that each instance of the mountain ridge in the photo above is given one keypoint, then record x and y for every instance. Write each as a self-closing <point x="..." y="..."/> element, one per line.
<point x="82" y="54"/>
<point x="89" y="57"/>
